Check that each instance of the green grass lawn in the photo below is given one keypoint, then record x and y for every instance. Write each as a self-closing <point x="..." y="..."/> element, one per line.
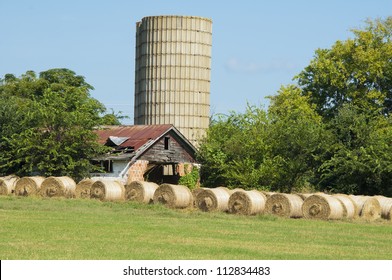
<point x="68" y="229"/>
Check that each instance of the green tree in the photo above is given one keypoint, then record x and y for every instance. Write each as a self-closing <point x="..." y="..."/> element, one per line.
<point x="350" y="84"/>
<point x="47" y="124"/>
<point x="333" y="132"/>
<point x="233" y="150"/>
<point x="359" y="159"/>
<point x="272" y="150"/>
<point x="295" y="136"/>
<point x="357" y="71"/>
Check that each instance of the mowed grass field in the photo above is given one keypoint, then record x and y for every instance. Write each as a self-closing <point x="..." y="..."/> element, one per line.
<point x="68" y="229"/>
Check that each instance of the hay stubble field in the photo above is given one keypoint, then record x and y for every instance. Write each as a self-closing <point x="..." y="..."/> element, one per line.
<point x="68" y="229"/>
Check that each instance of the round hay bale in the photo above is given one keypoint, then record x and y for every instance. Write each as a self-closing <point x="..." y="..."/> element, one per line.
<point x="322" y="206"/>
<point x="27" y="186"/>
<point x="247" y="202"/>
<point x="83" y="188"/>
<point x="371" y="209"/>
<point x="284" y="205"/>
<point x="349" y="207"/>
<point x="195" y="192"/>
<point x="368" y="207"/>
<point x="107" y="190"/>
<point x="63" y="186"/>
<point x="386" y="206"/>
<point x="229" y="191"/>
<point x="359" y="201"/>
<point x="173" y="196"/>
<point x="140" y="191"/>
<point x="213" y="200"/>
<point x="235" y="190"/>
<point x="7" y="184"/>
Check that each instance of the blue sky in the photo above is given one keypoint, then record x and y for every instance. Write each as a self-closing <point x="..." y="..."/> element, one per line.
<point x="258" y="45"/>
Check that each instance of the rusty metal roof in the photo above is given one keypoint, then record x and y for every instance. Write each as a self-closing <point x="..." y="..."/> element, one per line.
<point x="138" y="135"/>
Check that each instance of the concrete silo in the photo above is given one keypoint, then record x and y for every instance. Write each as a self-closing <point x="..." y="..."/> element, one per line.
<point x="172" y="73"/>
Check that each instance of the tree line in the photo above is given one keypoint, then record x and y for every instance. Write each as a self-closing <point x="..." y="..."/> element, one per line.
<point x="329" y="131"/>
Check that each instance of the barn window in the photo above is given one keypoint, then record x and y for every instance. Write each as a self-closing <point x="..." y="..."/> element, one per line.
<point x="167" y="143"/>
<point x="107" y="166"/>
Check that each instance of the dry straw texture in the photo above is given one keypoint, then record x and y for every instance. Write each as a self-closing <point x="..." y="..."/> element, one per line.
<point x="140" y="191"/>
<point x="322" y="206"/>
<point x="63" y="186"/>
<point x="368" y="207"/>
<point x="173" y="196"/>
<point x="371" y="209"/>
<point x="195" y="192"/>
<point x="247" y="202"/>
<point x="267" y="194"/>
<point x="229" y="191"/>
<point x="7" y="184"/>
<point x="304" y="195"/>
<point x="213" y="200"/>
<point x="27" y="186"/>
<point x="349" y="207"/>
<point x="83" y="188"/>
<point x="285" y="205"/>
<point x="107" y="190"/>
<point x="386" y="206"/>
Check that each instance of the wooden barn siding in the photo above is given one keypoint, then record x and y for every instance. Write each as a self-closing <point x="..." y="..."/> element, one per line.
<point x="175" y="153"/>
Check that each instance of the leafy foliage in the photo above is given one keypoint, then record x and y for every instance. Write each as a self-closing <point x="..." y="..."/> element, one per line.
<point x="296" y="133"/>
<point x="47" y="124"/>
<point x="332" y="132"/>
<point x="359" y="159"/>
<point x="358" y="71"/>
<point x="233" y="149"/>
<point x="266" y="150"/>
<point x="191" y="178"/>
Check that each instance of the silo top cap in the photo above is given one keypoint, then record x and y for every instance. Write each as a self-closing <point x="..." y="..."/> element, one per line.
<point x="177" y="16"/>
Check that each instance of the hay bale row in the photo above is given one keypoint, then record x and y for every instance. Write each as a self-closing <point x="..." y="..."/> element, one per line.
<point x="195" y="192"/>
<point x="349" y="207"/>
<point x="368" y="207"/>
<point x="107" y="190"/>
<point x="7" y="184"/>
<point x="321" y="206"/>
<point x="284" y="205"/>
<point x="237" y="201"/>
<point x="339" y="206"/>
<point x="83" y="188"/>
<point x="217" y="199"/>
<point x="63" y="186"/>
<point x="386" y="206"/>
<point x="247" y="202"/>
<point x="140" y="191"/>
<point x="173" y="196"/>
<point x="27" y="186"/>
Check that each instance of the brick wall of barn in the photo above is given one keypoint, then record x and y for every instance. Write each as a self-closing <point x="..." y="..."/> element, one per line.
<point x="136" y="171"/>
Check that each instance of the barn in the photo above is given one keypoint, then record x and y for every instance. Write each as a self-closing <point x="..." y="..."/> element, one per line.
<point x="155" y="153"/>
